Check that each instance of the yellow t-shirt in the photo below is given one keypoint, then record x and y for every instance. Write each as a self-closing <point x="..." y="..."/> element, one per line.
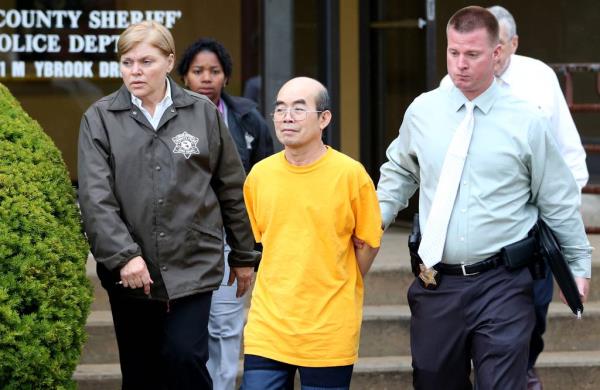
<point x="306" y="306"/>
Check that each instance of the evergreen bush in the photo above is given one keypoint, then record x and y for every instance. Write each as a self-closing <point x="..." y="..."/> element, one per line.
<point x="44" y="293"/>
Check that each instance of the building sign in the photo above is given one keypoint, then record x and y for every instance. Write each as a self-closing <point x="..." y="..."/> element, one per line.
<point x="67" y="43"/>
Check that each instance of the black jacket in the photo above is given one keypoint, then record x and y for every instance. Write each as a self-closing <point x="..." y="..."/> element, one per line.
<point x="165" y="195"/>
<point x="248" y="129"/>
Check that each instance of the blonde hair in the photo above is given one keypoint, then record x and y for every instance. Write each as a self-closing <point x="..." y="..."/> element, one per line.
<point x="148" y="31"/>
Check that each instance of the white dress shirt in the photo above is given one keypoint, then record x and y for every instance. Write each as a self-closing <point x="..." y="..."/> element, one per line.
<point x="536" y="82"/>
<point x="159" y="110"/>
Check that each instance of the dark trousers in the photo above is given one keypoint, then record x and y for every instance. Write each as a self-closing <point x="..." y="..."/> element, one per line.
<point x="542" y="295"/>
<point x="261" y="373"/>
<point x="163" y="346"/>
<point x="486" y="318"/>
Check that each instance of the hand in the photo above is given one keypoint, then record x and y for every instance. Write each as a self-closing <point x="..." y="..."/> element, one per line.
<point x="135" y="275"/>
<point x="583" y="285"/>
<point x="244" y="279"/>
<point x="358" y="243"/>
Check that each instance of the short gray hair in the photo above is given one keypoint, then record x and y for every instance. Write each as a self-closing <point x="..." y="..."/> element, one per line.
<point x="504" y="17"/>
<point x="322" y="101"/>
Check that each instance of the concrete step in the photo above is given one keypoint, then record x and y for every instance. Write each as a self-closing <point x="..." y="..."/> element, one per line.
<point x="379" y="373"/>
<point x="100" y="296"/>
<point x="385" y="331"/>
<point x="558" y="371"/>
<point x="387" y="284"/>
<point x="98" y="377"/>
<point x="101" y="344"/>
<point x="569" y="370"/>
<point x="100" y="301"/>
<point x="566" y="333"/>
<point x="382" y="373"/>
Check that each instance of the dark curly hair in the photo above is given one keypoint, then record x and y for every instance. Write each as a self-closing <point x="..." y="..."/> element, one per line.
<point x="206" y="44"/>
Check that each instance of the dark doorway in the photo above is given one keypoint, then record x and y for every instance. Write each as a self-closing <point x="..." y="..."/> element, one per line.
<point x="394" y="63"/>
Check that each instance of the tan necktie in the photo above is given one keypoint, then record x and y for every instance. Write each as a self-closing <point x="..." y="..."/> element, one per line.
<point x="434" y="234"/>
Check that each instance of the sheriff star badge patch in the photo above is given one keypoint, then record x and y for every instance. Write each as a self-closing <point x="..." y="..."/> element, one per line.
<point x="185" y="144"/>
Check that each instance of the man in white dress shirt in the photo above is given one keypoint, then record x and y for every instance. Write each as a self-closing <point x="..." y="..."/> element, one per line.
<point x="536" y="82"/>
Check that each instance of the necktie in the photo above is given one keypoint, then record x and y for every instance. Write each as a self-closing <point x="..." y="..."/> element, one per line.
<point x="434" y="234"/>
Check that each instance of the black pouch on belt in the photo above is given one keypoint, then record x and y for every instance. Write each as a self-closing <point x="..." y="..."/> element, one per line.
<point x="520" y="253"/>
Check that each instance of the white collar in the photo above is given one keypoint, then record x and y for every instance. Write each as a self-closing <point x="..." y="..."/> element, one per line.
<point x="138" y="102"/>
<point x="506" y="76"/>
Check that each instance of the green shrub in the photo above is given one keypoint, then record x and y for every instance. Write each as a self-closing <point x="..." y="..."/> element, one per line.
<point x="44" y="293"/>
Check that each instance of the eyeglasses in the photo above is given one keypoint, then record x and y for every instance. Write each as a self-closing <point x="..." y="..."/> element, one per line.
<point x="296" y="113"/>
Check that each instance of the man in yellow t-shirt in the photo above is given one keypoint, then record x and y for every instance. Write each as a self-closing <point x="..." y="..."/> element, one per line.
<point x="305" y="205"/>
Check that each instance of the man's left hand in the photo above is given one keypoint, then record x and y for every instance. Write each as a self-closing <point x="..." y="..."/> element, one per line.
<point x="583" y="284"/>
<point x="244" y="279"/>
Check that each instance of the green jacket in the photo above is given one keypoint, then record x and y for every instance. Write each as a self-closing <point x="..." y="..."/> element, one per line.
<point x="165" y="195"/>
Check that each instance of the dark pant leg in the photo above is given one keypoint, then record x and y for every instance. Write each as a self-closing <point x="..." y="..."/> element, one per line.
<point x="185" y="346"/>
<point x="326" y="378"/>
<point x="542" y="295"/>
<point x="438" y="336"/>
<point x="139" y="331"/>
<point x="501" y="309"/>
<point x="261" y="373"/>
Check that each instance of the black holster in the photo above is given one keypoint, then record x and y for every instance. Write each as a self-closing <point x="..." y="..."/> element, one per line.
<point x="414" y="239"/>
<point x="537" y="267"/>
<point x="520" y="253"/>
<point x="525" y="253"/>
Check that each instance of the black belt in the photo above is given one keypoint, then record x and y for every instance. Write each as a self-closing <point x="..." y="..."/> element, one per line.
<point x="470" y="269"/>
